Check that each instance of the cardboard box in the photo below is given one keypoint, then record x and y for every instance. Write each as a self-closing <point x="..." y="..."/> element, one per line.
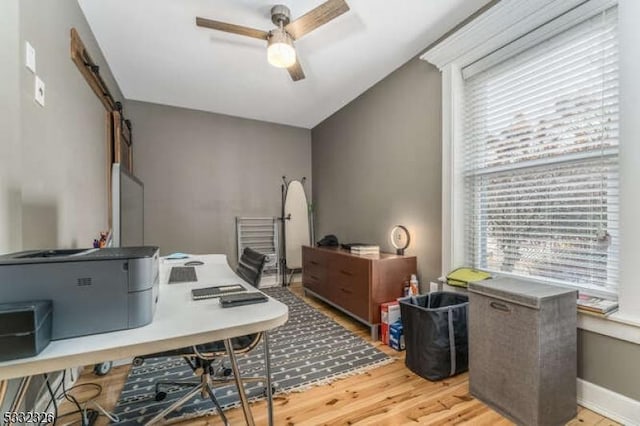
<point x="396" y="336"/>
<point x="389" y="313"/>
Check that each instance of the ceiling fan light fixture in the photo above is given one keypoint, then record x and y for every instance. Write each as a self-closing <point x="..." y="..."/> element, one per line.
<point x="280" y="52"/>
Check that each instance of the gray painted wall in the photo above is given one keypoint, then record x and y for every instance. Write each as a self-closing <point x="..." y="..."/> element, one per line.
<point x="10" y="190"/>
<point x="9" y="139"/>
<point x="201" y="170"/>
<point x="63" y="172"/>
<point x="377" y="163"/>
<point x="610" y="363"/>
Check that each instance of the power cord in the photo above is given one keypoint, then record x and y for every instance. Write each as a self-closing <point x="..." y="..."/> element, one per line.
<point x="88" y="415"/>
<point x="73" y="399"/>
<point x="113" y="417"/>
<point x="53" y="397"/>
<point x="97" y="386"/>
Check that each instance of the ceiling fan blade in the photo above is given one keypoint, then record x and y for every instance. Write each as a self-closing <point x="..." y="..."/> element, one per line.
<point x="295" y="71"/>
<point x="231" y="28"/>
<point x="316" y="17"/>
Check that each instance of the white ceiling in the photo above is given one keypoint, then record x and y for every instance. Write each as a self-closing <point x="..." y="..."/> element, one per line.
<point x="157" y="54"/>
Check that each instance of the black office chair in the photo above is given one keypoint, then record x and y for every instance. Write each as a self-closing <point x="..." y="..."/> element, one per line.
<point x="203" y="359"/>
<point x="251" y="265"/>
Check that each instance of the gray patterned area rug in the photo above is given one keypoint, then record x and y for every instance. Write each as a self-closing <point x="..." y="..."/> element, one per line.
<point x="308" y="350"/>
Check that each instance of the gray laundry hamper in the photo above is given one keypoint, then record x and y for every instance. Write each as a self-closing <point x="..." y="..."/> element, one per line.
<point x="522" y="349"/>
<point x="435" y="334"/>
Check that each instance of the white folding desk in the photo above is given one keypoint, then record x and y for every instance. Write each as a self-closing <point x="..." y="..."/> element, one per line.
<point x="178" y="322"/>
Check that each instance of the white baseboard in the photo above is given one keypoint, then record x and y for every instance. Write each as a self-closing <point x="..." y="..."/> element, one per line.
<point x="124" y="361"/>
<point x="610" y="404"/>
<point x="271" y="281"/>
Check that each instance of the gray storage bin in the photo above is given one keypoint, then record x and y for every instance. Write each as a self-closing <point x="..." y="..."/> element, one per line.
<point x="522" y="349"/>
<point x="25" y="328"/>
<point x="435" y="334"/>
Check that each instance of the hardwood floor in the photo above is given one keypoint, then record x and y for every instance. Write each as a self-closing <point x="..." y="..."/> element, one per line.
<point x="388" y="395"/>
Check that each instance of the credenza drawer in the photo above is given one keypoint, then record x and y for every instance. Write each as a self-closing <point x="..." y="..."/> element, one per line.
<point x="352" y="268"/>
<point x="312" y="280"/>
<point x="349" y="277"/>
<point x="315" y="262"/>
<point x="355" y="285"/>
<point x="355" y="302"/>
<point x="314" y="271"/>
<point x="314" y="277"/>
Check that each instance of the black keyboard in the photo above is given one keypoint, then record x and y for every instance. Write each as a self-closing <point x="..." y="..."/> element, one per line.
<point x="182" y="274"/>
<point x="211" y="292"/>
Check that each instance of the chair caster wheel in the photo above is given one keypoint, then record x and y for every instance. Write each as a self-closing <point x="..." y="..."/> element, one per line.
<point x="160" y="396"/>
<point x="273" y="391"/>
<point x="227" y="372"/>
<point x="103" y="368"/>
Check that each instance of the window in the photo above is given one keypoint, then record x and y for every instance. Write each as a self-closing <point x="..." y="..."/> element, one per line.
<point x="541" y="160"/>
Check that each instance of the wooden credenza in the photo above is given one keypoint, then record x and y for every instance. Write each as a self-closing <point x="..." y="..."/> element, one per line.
<point x="355" y="284"/>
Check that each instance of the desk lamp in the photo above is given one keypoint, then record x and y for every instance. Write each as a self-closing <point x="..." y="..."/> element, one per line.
<point x="400" y="239"/>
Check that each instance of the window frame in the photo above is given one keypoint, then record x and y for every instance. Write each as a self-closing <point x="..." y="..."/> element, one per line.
<point x="489" y="32"/>
<point x="483" y="163"/>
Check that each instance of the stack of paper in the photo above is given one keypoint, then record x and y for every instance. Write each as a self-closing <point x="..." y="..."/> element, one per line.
<point x="365" y="249"/>
<point x="596" y="305"/>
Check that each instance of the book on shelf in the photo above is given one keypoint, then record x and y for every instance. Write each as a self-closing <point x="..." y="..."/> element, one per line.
<point x="596" y="305"/>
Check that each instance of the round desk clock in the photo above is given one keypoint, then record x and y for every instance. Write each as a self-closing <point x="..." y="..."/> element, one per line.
<point x="400" y="238"/>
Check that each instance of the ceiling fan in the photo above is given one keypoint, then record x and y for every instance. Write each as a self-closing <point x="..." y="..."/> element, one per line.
<point x="280" y="50"/>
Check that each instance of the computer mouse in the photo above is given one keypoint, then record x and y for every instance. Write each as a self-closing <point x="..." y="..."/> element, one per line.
<point x="194" y="263"/>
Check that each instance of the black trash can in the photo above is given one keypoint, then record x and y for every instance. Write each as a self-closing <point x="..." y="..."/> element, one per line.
<point x="435" y="333"/>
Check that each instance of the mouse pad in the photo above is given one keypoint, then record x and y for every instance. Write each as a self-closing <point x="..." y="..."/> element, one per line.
<point x="182" y="274"/>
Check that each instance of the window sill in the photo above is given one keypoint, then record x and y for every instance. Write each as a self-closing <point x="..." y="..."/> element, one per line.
<point x="615" y="325"/>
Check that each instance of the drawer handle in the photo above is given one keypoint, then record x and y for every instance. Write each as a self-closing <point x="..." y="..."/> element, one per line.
<point x="313" y="262"/>
<point x="345" y="290"/>
<point x="313" y="277"/>
<point x="342" y="271"/>
<point x="500" y="306"/>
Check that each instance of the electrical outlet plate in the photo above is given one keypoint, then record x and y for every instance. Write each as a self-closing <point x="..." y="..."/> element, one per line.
<point x="39" y="91"/>
<point x="30" y="57"/>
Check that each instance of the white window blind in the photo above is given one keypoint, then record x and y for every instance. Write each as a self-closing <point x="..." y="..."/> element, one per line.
<point x="541" y="160"/>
